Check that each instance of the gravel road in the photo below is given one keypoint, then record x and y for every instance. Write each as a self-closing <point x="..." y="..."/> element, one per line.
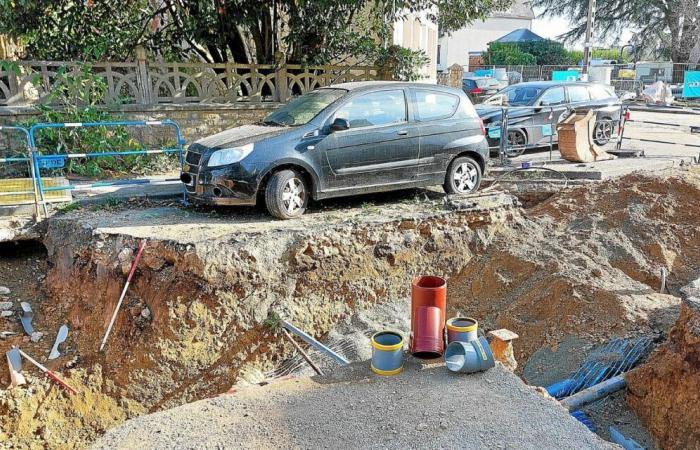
<point x="424" y="407"/>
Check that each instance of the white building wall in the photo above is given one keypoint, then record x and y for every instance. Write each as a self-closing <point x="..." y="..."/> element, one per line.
<point x="455" y="48"/>
<point x="417" y="32"/>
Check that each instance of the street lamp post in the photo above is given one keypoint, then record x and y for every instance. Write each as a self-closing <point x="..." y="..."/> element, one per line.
<point x="588" y="46"/>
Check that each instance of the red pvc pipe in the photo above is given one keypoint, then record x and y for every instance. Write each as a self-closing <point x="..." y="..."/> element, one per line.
<point x="428" y="304"/>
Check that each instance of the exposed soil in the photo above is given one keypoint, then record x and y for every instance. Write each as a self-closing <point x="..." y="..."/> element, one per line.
<point x="584" y="264"/>
<point x="665" y="391"/>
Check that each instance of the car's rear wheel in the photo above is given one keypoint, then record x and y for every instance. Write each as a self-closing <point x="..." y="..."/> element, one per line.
<point x="603" y="131"/>
<point x="286" y="194"/>
<point x="517" y="140"/>
<point x="463" y="176"/>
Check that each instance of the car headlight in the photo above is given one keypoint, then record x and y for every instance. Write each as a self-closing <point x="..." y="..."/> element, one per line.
<point x="229" y="155"/>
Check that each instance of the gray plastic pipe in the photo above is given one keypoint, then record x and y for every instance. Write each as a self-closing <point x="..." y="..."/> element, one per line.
<point x="593" y="393"/>
<point x="315" y="344"/>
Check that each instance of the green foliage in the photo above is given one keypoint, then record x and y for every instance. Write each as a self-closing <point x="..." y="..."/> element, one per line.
<point x="546" y="52"/>
<point x="81" y="95"/>
<point x="500" y="53"/>
<point x="273" y="322"/>
<point x="217" y="31"/>
<point x="404" y="62"/>
<point x="68" y="29"/>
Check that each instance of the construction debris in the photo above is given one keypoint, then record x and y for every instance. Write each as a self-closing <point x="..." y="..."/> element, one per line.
<point x="14" y="364"/>
<point x="60" y="338"/>
<point x="48" y="372"/>
<point x="26" y="318"/>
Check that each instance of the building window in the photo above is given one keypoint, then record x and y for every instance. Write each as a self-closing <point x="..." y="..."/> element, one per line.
<point x="438" y="54"/>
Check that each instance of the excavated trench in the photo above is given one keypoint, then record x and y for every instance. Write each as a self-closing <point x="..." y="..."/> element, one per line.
<point x="583" y="264"/>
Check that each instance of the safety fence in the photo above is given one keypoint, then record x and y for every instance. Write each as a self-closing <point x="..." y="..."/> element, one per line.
<point x="688" y="130"/>
<point x="530" y="127"/>
<point x="44" y="188"/>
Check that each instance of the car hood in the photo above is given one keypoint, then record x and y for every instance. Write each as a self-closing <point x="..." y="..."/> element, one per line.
<point x="239" y="136"/>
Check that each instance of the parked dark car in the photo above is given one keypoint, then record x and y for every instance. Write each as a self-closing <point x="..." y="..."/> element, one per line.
<point x="345" y="139"/>
<point x="478" y="88"/>
<point x="536" y="107"/>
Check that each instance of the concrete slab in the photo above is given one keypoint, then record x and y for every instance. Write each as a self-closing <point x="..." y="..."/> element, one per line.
<point x="596" y="171"/>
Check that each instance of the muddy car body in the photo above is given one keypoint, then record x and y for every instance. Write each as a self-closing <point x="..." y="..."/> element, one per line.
<point x="346" y="139"/>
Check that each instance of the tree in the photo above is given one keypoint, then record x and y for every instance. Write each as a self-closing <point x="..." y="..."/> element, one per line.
<point x="529" y="52"/>
<point x="217" y="31"/>
<point x="663" y="28"/>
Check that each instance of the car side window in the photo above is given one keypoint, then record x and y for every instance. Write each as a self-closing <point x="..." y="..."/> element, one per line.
<point x="433" y="105"/>
<point x="553" y="96"/>
<point x="578" y="94"/>
<point x="374" y="108"/>
<point x="599" y="92"/>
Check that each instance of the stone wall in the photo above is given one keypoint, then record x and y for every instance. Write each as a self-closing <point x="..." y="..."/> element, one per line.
<point x="195" y="120"/>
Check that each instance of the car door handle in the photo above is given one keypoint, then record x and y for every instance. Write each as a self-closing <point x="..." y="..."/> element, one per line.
<point x="402" y="132"/>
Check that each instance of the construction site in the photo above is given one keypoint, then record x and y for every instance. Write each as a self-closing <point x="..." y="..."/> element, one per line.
<point x="197" y="358"/>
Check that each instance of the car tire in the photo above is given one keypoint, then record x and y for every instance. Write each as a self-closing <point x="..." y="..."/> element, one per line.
<point x="463" y="176"/>
<point x="286" y="194"/>
<point x="519" y="138"/>
<point x="603" y="131"/>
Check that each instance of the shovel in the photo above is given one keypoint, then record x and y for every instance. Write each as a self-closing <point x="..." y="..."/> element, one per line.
<point x="60" y="338"/>
<point x="14" y="362"/>
<point x="26" y="319"/>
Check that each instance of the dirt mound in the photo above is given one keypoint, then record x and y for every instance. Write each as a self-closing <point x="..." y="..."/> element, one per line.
<point x="44" y="416"/>
<point x="586" y="263"/>
<point x="665" y="392"/>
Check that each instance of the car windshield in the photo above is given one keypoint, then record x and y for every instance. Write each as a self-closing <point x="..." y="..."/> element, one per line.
<point x="302" y="109"/>
<point x="515" y="96"/>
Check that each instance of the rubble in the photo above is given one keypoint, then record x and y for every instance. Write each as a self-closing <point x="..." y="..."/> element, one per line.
<point x="4" y="290"/>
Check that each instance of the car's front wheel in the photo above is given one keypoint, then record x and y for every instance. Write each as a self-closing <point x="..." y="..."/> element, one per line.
<point x="286" y="194"/>
<point x="463" y="176"/>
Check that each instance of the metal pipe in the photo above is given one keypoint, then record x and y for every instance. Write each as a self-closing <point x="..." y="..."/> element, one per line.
<point x="593" y="393"/>
<point x="315" y="344"/>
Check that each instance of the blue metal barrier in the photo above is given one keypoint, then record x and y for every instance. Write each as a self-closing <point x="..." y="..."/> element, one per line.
<point x="57" y="160"/>
<point x="30" y="162"/>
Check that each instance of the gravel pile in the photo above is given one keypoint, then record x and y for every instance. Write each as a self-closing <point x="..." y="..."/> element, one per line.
<point x="424" y="407"/>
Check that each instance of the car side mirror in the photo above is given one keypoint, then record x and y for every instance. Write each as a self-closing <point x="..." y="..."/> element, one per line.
<point x="340" y="124"/>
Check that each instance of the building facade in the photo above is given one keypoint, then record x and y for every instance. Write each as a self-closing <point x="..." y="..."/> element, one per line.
<point x="417" y="32"/>
<point x="458" y="46"/>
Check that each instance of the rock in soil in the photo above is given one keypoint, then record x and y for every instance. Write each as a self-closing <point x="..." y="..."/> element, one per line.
<point x="4" y="290"/>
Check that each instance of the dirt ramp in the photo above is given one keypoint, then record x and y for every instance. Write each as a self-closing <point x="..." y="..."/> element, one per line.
<point x="665" y="392"/>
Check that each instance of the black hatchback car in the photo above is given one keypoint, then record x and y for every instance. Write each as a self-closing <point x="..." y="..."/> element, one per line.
<point x="341" y="140"/>
<point x="535" y="107"/>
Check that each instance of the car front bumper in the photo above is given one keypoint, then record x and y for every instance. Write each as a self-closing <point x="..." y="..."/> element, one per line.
<point x="234" y="184"/>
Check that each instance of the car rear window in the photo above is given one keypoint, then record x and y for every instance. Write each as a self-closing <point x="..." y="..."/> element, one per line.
<point x="433" y="105"/>
<point x="375" y="108"/>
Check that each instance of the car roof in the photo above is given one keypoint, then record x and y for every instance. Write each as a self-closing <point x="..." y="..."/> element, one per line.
<point x="370" y="85"/>
<point x="549" y="83"/>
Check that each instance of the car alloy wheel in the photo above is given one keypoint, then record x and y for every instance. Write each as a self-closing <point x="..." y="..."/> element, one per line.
<point x="286" y="194"/>
<point x="465" y="177"/>
<point x="294" y="196"/>
<point x="603" y="131"/>
<point x="516" y="143"/>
